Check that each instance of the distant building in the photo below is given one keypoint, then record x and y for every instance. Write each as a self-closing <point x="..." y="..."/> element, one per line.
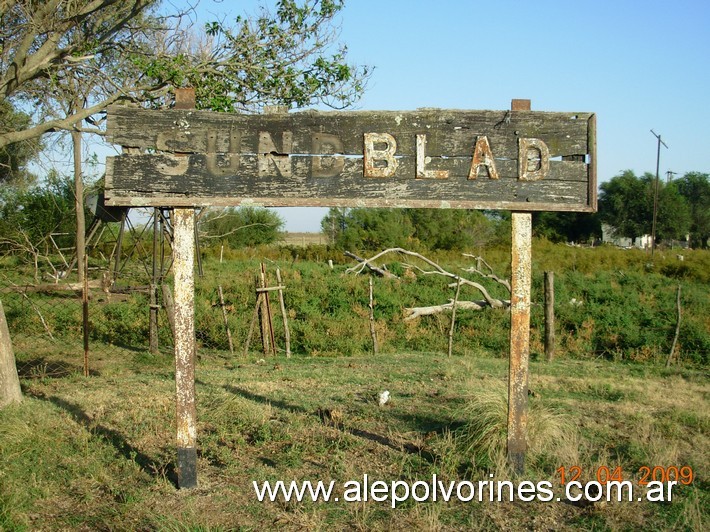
<point x="640" y="242"/>
<point x="608" y="237"/>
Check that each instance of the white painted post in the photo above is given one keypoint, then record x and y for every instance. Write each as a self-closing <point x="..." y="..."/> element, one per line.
<point x="183" y="267"/>
<point x="521" y="265"/>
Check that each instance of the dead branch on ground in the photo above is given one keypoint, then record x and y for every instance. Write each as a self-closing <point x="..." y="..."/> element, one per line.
<point x="435" y="269"/>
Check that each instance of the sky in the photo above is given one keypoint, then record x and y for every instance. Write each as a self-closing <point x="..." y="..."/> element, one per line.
<point x="640" y="66"/>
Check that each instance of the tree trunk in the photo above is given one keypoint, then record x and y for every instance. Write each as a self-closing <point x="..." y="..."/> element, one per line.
<point x="9" y="382"/>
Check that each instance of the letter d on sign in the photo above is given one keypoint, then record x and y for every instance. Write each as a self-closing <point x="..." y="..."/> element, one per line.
<point x="533" y="151"/>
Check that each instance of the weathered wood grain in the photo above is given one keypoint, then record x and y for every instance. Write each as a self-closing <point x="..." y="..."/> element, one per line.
<point x="143" y="185"/>
<point x="312" y="158"/>
<point x="449" y="133"/>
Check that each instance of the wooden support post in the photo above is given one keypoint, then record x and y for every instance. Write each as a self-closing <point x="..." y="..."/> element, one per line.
<point x="521" y="259"/>
<point x="184" y="263"/>
<point x="284" y="314"/>
<point x="549" y="316"/>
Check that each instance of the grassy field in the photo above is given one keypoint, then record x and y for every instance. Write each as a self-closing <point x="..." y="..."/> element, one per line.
<point x="98" y="453"/>
<point x="304" y="239"/>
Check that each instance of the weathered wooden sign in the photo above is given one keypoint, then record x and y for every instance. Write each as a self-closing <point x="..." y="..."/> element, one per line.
<point x="517" y="160"/>
<point x="512" y="160"/>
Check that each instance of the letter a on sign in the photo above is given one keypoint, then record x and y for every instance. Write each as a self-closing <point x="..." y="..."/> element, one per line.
<point x="483" y="156"/>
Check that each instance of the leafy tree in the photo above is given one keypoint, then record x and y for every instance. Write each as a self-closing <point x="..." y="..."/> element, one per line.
<point x="29" y="217"/>
<point x="623" y="204"/>
<point x="367" y="228"/>
<point x="14" y="158"/>
<point x="419" y="228"/>
<point x="626" y="204"/>
<point x="695" y="188"/>
<point x="128" y="50"/>
<point x="450" y="228"/>
<point x="673" y="219"/>
<point x="242" y="227"/>
<point x="567" y="226"/>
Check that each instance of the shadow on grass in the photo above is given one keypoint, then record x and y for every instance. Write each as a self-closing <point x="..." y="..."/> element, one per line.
<point x="149" y="465"/>
<point x="326" y="419"/>
<point x="41" y="368"/>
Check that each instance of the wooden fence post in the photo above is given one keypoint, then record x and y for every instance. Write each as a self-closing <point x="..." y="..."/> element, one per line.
<point x="224" y="317"/>
<point x="677" y="331"/>
<point x="284" y="314"/>
<point x="549" y="316"/>
<point x="154" y="306"/>
<point x="373" y="331"/>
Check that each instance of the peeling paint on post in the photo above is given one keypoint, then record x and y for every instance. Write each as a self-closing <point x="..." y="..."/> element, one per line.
<point x="519" y="339"/>
<point x="184" y="263"/>
<point x="521" y="265"/>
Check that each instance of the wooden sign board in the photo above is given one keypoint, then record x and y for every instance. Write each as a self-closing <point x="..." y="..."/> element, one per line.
<point x="509" y="160"/>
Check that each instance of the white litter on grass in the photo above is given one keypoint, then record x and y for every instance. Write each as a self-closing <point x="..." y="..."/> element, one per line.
<point x="384" y="397"/>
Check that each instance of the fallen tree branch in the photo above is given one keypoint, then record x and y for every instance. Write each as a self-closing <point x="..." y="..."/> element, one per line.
<point x="436" y="270"/>
<point x="490" y="275"/>
<point x="416" y="312"/>
<point x="368" y="263"/>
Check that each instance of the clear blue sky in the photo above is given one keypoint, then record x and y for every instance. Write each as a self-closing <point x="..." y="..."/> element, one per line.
<point x="639" y="65"/>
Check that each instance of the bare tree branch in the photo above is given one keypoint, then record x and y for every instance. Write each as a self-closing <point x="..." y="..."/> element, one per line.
<point x="436" y="269"/>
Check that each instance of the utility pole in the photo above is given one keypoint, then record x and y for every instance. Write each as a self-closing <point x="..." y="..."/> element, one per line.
<point x="669" y="176"/>
<point x="655" y="193"/>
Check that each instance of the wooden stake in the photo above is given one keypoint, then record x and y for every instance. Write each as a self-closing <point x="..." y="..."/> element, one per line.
<point x="169" y="305"/>
<point x="284" y="314"/>
<point x="549" y="316"/>
<point x="677" y="331"/>
<point x="85" y="310"/>
<point x="453" y="315"/>
<point x="264" y="315"/>
<point x="154" y="307"/>
<point x="224" y="316"/>
<point x="373" y="332"/>
<point x="254" y="317"/>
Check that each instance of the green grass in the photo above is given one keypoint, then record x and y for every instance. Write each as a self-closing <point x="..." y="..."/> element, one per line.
<point x="99" y="452"/>
<point x="610" y="303"/>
